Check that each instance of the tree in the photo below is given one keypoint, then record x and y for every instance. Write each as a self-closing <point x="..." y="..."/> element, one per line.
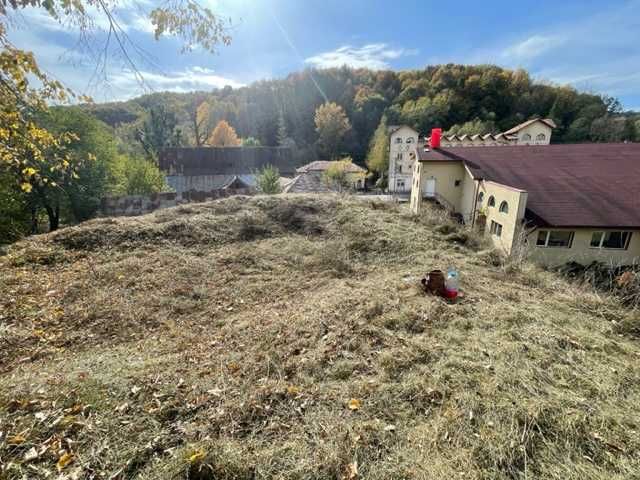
<point x="35" y="158"/>
<point x="158" y="132"/>
<point x="201" y="123"/>
<point x="339" y="174"/>
<point x="250" y="142"/>
<point x="378" y="156"/>
<point x="135" y="176"/>
<point x="268" y="180"/>
<point x="223" y="136"/>
<point x="332" y="125"/>
<point x="282" y="130"/>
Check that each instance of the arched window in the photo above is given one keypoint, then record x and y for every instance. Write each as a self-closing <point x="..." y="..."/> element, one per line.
<point x="504" y="207"/>
<point x="492" y="201"/>
<point x="541" y="137"/>
<point x="526" y="137"/>
<point x="480" y="197"/>
<point x="410" y="140"/>
<point x="398" y="140"/>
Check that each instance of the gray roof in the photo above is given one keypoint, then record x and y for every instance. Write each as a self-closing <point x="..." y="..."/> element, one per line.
<point x="226" y="160"/>
<point x="308" y="182"/>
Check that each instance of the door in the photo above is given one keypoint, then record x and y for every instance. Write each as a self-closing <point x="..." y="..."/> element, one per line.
<point x="430" y="187"/>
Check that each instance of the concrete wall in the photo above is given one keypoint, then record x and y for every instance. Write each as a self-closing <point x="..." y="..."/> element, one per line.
<point x="402" y="142"/>
<point x="581" y="251"/>
<point x="132" y="205"/>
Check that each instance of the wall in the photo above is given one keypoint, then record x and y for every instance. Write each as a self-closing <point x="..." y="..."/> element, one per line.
<point x="534" y="129"/>
<point x="445" y="174"/>
<point x="407" y="150"/>
<point x="511" y="222"/>
<point x="131" y="205"/>
<point x="581" y="251"/>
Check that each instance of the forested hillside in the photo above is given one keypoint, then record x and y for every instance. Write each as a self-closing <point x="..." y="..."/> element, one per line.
<point x="458" y="97"/>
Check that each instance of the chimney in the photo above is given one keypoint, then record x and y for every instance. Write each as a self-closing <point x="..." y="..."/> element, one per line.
<point x="436" y="134"/>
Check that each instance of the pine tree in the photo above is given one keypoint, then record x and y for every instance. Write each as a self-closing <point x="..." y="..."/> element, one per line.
<point x="282" y="137"/>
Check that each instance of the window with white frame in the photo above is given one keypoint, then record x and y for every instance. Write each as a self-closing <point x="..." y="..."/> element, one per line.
<point x="496" y="229"/>
<point x="398" y="140"/>
<point x="400" y="184"/>
<point x="410" y="140"/>
<point x="555" y="238"/>
<point x="504" y="207"/>
<point x="541" y="137"/>
<point x="526" y="137"/>
<point x="399" y="167"/>
<point x="492" y="201"/>
<point x="615" y="240"/>
<point x="480" y="197"/>
<point x="399" y="156"/>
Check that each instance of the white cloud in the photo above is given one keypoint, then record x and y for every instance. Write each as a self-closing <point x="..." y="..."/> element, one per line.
<point x="125" y="84"/>
<point x="373" y="55"/>
<point x="532" y="47"/>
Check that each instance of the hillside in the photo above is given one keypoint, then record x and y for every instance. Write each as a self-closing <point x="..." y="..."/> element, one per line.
<point x="465" y="98"/>
<point x="287" y="337"/>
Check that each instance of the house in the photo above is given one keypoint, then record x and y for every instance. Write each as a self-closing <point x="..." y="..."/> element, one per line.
<point x="562" y="202"/>
<point x="403" y="141"/>
<point x="402" y="157"/>
<point x="310" y="178"/>
<point x="206" y="169"/>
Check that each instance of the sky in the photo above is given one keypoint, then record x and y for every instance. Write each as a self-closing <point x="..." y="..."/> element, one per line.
<point x="593" y="46"/>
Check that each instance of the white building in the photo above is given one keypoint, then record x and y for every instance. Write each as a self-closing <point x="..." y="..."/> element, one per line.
<point x="403" y="144"/>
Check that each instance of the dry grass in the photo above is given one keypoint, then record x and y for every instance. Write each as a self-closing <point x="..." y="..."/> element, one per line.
<point x="226" y="340"/>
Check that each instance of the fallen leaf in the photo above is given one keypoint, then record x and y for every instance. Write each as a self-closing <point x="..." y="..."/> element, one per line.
<point x="390" y="428"/>
<point x="352" y="471"/>
<point x="197" y="456"/>
<point x="31" y="454"/>
<point x="64" y="460"/>
<point x="16" y="440"/>
<point x="354" y="404"/>
<point x="293" y="390"/>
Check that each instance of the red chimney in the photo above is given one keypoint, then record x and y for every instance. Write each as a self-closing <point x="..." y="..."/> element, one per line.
<point x="436" y="134"/>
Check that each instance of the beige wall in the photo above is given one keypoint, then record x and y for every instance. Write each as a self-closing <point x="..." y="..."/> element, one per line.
<point x="511" y="221"/>
<point x="534" y="130"/>
<point x="445" y="174"/>
<point x="581" y="251"/>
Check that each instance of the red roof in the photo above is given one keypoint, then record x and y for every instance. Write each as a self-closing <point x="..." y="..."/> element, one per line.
<point x="582" y="185"/>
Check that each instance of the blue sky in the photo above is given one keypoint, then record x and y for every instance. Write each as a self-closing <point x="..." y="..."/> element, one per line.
<point x="594" y="46"/>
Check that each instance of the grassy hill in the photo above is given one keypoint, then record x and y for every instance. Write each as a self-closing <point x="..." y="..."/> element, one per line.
<point x="286" y="337"/>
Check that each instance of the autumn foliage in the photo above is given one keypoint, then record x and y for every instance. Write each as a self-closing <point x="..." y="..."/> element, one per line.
<point x="223" y="136"/>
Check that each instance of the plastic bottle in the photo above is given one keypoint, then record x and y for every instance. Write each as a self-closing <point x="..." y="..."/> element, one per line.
<point x="451" y="283"/>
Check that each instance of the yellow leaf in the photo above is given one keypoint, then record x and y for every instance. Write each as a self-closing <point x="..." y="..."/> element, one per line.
<point x="64" y="460"/>
<point x="354" y="404"/>
<point x="26" y="187"/>
<point x="293" y="390"/>
<point x="197" y="456"/>
<point x="16" y="440"/>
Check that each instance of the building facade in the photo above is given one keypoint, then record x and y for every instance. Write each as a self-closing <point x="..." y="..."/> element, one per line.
<point x="555" y="202"/>
<point x="403" y="142"/>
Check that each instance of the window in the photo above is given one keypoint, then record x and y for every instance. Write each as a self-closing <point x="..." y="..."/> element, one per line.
<point x="496" y="229"/>
<point x="492" y="201"/>
<point x="410" y="140"/>
<point x="480" y="197"/>
<point x="504" y="207"/>
<point x="526" y="137"/>
<point x="399" y="156"/>
<point x="457" y="183"/>
<point x="614" y="240"/>
<point x="400" y="184"/>
<point x="399" y="168"/>
<point x="398" y="140"/>
<point x="412" y="155"/>
<point x="541" y="137"/>
<point x="554" y="238"/>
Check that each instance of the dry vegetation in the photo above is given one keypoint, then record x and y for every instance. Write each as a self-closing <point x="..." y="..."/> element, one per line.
<point x="285" y="337"/>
